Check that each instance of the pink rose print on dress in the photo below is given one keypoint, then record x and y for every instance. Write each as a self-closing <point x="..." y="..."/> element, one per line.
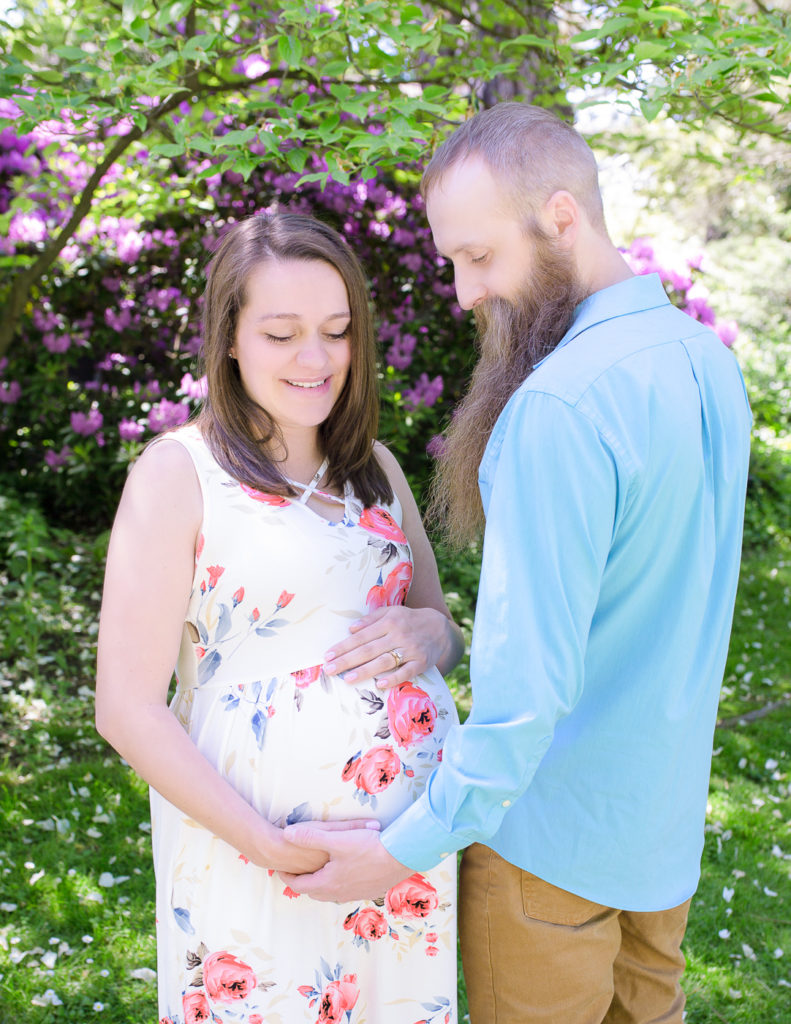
<point x="374" y="771"/>
<point x="379" y="521"/>
<point x="411" y="714"/>
<point x="227" y="978"/>
<point x="338" y="998"/>
<point x="306" y="676"/>
<point x="414" y="897"/>
<point x="367" y="923"/>
<point x="335" y="999"/>
<point x="196" y="1008"/>
<point x="393" y="591"/>
<point x="266" y="499"/>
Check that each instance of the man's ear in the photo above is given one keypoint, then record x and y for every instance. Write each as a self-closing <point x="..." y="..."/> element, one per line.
<point x="562" y="217"/>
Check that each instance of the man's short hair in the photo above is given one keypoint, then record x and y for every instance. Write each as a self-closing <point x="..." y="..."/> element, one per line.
<point x="531" y="151"/>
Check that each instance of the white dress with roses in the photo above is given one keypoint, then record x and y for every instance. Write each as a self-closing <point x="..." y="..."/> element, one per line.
<point x="275" y="586"/>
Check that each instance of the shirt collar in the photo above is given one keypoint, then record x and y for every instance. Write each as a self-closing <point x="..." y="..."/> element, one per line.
<point x="634" y="295"/>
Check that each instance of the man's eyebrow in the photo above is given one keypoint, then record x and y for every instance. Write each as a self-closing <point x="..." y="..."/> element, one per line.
<point x="464" y="247"/>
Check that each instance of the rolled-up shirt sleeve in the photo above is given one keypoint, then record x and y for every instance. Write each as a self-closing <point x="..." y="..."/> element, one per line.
<point x="550" y="487"/>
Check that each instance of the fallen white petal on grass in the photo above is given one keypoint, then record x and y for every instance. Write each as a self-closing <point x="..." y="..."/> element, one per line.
<point x="9" y="908"/>
<point x="724" y="933"/>
<point x="777" y="953"/>
<point x="143" y="974"/>
<point x="734" y="993"/>
<point x="771" y="764"/>
<point x="727" y="894"/>
<point x="49" y="998"/>
<point x="769" y="892"/>
<point x="748" y="951"/>
<point x="107" y="880"/>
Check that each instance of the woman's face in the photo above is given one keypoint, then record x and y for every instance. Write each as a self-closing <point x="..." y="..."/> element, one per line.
<point x="292" y="341"/>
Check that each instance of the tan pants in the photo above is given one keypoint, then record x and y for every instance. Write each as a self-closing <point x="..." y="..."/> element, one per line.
<point x="536" y="954"/>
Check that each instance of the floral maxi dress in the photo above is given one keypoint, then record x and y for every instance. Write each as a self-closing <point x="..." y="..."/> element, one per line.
<point x="275" y="586"/>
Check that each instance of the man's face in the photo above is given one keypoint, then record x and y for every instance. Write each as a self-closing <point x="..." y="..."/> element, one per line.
<point x="476" y="228"/>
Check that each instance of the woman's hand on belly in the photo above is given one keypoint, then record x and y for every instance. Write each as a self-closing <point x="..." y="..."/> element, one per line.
<point x="394" y="644"/>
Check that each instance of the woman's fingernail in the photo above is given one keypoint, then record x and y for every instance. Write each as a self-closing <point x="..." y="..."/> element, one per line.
<point x="328" y="657"/>
<point x="349" y="677"/>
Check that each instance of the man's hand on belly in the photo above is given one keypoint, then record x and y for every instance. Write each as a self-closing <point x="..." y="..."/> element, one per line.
<point x="359" y="866"/>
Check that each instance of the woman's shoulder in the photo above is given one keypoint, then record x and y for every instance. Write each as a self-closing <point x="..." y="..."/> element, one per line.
<point x="402" y="493"/>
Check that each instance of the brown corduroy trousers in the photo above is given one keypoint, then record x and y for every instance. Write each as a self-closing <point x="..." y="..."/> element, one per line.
<point x="536" y="954"/>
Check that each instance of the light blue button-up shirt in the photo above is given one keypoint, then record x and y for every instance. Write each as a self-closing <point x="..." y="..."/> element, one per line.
<point x="613" y="485"/>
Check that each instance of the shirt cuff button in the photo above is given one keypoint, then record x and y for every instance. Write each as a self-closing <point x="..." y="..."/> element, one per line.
<point x="506" y="803"/>
<point x="445" y="854"/>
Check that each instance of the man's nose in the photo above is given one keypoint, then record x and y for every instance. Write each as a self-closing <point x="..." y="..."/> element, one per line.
<point x="469" y="291"/>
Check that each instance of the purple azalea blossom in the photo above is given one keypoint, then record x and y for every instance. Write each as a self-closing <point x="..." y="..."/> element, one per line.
<point x="57" y="459"/>
<point x="56" y="342"/>
<point x="28" y="227"/>
<point x="86" y="423"/>
<point x="425" y="391"/>
<point x="192" y="388"/>
<point x="400" y="352"/>
<point x="130" y="430"/>
<point x="728" y="331"/>
<point x="10" y="392"/>
<point x="165" y="415"/>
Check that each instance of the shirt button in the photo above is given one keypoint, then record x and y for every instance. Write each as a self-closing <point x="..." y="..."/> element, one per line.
<point x="444" y="855"/>
<point x="506" y="803"/>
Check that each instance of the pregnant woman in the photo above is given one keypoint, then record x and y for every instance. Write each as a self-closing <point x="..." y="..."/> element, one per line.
<point x="246" y="545"/>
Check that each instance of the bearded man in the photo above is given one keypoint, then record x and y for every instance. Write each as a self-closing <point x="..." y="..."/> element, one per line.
<point x="609" y="434"/>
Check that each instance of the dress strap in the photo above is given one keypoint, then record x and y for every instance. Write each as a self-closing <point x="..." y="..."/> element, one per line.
<point x="309" y="488"/>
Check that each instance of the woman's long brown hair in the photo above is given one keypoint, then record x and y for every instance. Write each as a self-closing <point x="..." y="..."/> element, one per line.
<point x="240" y="433"/>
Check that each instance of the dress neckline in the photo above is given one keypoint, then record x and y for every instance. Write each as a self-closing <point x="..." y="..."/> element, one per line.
<point x="311" y="488"/>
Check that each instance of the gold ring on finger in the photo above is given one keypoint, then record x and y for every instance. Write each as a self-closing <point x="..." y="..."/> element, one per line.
<point x="397" y="657"/>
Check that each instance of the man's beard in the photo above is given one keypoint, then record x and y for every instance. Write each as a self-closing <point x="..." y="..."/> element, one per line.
<point x="512" y="338"/>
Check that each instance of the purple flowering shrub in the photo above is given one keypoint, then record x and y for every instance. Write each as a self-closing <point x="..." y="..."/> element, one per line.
<point x="684" y="286"/>
<point x="107" y="355"/>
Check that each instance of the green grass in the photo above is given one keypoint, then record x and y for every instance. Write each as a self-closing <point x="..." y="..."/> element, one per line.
<point x="75" y="819"/>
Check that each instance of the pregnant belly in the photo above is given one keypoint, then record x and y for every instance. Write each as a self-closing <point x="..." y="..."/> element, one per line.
<point x="312" y="746"/>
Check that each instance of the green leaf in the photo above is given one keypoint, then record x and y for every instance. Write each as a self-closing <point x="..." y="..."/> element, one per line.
<point x="167" y="149"/>
<point x="237" y="137"/>
<point x="528" y="39"/>
<point x="70" y="52"/>
<point x="713" y="70"/>
<point x="140" y="29"/>
<point x="296" y="159"/>
<point x="650" y="51"/>
<point x="202" y="143"/>
<point x="289" y="50"/>
<point x="651" y="108"/>
<point x="21" y="51"/>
